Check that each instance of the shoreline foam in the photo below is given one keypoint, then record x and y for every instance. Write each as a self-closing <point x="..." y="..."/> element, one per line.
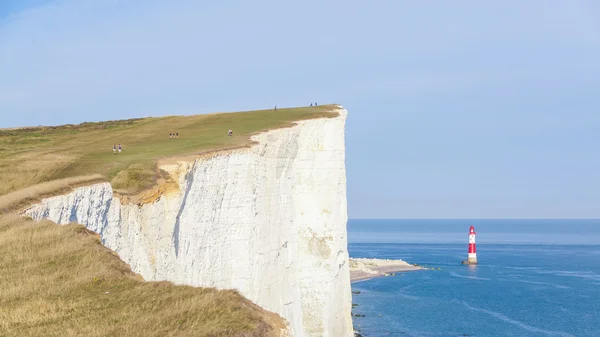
<point x="365" y="269"/>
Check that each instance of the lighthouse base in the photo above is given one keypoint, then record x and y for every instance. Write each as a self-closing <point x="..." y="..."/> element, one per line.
<point x="471" y="260"/>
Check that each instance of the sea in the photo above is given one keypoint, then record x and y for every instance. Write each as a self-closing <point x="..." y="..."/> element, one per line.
<point x="534" y="278"/>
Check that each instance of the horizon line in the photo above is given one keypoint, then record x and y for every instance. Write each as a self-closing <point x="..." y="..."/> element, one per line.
<point x="18" y="127"/>
<point x="471" y="219"/>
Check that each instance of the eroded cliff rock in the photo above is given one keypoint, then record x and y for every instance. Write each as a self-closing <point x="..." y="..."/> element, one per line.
<point x="269" y="221"/>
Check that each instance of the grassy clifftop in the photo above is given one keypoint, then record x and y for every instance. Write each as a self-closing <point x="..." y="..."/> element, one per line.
<point x="60" y="280"/>
<point x="83" y="152"/>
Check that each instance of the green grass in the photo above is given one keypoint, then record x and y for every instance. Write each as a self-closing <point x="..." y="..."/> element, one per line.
<point x="35" y="155"/>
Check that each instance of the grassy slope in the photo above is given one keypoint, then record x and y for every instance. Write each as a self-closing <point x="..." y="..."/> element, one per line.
<point x="32" y="156"/>
<point x="59" y="280"/>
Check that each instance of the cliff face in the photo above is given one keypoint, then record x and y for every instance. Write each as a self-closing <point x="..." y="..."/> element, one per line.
<point x="269" y="221"/>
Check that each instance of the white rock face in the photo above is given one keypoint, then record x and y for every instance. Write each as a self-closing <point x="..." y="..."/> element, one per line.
<point x="269" y="221"/>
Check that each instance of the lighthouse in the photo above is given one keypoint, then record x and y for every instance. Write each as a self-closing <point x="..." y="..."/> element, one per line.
<point x="472" y="258"/>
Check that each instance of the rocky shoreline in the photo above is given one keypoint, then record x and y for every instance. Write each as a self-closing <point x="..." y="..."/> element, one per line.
<point x="364" y="269"/>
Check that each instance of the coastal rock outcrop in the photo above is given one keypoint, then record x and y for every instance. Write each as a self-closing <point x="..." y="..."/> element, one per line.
<point x="269" y="221"/>
<point x="363" y="269"/>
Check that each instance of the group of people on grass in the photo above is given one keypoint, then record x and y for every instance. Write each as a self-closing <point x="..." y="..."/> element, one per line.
<point x="118" y="148"/>
<point x="311" y="104"/>
<point x="115" y="149"/>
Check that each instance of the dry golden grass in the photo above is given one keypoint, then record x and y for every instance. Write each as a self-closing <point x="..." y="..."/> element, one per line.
<point x="60" y="281"/>
<point x="21" y="198"/>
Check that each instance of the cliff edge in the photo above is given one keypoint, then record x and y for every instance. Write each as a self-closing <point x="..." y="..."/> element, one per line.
<point x="268" y="220"/>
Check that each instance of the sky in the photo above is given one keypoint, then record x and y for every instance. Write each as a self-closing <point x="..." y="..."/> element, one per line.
<point x="457" y="109"/>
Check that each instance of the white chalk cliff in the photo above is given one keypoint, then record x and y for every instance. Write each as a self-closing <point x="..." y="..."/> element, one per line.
<point x="269" y="221"/>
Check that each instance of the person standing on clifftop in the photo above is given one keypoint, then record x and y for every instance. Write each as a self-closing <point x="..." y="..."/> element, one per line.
<point x="115" y="149"/>
<point x="120" y="148"/>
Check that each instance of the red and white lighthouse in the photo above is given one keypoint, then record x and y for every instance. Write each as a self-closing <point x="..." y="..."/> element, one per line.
<point x="472" y="258"/>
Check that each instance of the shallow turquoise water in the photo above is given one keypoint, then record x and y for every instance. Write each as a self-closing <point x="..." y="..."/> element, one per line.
<point x="518" y="289"/>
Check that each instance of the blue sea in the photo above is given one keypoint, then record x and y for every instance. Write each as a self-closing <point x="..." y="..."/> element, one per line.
<point x="534" y="278"/>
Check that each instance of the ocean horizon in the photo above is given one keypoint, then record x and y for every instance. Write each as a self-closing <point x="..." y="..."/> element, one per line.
<point x="500" y="231"/>
<point x="535" y="277"/>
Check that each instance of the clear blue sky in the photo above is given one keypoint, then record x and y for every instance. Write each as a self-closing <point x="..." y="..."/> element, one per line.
<point x="456" y="108"/>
